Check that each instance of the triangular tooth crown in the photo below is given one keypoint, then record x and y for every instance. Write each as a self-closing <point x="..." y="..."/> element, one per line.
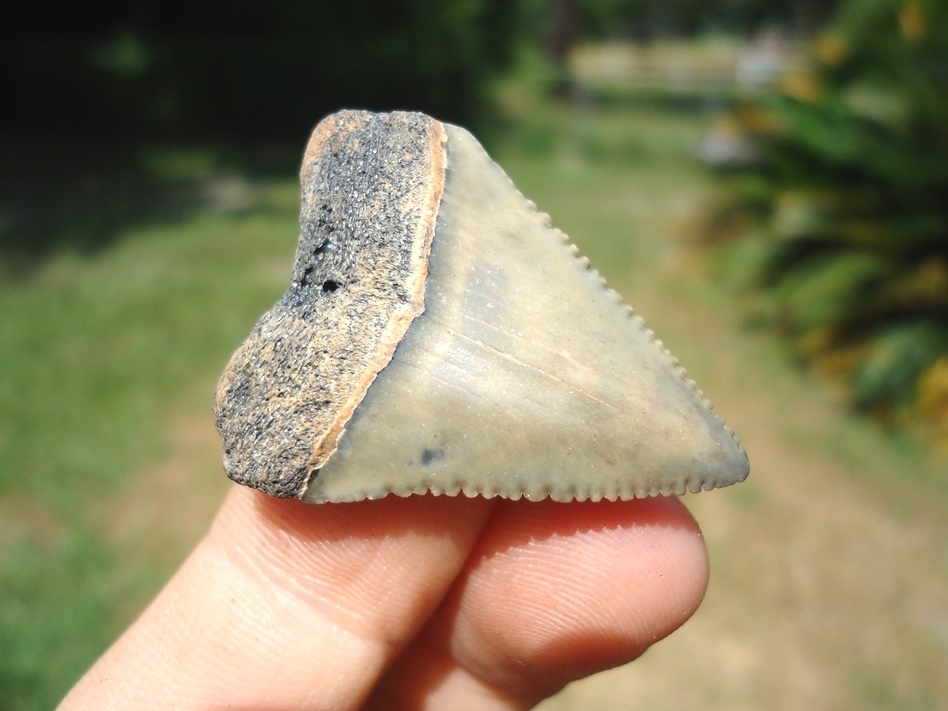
<point x="524" y="375"/>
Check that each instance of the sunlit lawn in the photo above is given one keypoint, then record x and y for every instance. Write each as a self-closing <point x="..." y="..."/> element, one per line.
<point x="97" y="353"/>
<point x="107" y="355"/>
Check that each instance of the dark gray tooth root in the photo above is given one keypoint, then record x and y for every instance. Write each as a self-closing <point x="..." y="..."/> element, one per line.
<point x="439" y="335"/>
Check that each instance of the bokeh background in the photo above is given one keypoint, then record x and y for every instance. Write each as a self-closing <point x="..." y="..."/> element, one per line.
<point x="766" y="182"/>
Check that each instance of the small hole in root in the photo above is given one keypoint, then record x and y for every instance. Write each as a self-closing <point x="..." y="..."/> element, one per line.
<point x="330" y="285"/>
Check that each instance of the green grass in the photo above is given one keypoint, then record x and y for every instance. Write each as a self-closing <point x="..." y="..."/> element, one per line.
<point x="102" y="349"/>
<point x="94" y="346"/>
<point x="97" y="352"/>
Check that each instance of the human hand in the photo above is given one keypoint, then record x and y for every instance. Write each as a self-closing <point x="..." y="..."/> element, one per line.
<point x="419" y="602"/>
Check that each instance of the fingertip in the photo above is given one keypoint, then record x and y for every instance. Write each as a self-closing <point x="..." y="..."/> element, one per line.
<point x="569" y="590"/>
<point x="282" y="598"/>
<point x="342" y="557"/>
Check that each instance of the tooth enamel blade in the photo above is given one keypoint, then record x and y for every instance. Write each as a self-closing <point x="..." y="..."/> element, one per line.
<point x="523" y="376"/>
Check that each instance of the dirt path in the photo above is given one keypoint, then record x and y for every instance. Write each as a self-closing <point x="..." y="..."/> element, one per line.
<point x="823" y="596"/>
<point x="162" y="511"/>
<point x="829" y="585"/>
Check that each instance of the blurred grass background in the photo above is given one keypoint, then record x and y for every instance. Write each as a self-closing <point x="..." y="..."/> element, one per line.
<point x="148" y="216"/>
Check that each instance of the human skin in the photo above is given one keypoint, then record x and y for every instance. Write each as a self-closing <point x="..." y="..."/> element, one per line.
<point x="404" y="603"/>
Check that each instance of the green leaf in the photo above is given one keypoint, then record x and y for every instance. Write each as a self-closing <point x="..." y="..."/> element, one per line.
<point x="895" y="359"/>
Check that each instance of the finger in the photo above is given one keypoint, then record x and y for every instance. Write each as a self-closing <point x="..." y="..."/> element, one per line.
<point x="288" y="605"/>
<point x="553" y="593"/>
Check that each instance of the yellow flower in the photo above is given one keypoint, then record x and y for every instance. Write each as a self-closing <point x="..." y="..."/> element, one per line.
<point x="933" y="402"/>
<point x="800" y="85"/>
<point x="757" y="119"/>
<point x="830" y="49"/>
<point x="912" y="21"/>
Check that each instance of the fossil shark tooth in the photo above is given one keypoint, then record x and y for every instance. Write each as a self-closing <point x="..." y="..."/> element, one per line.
<point x="438" y="335"/>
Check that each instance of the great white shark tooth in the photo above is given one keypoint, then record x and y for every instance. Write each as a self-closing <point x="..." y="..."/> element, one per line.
<point x="438" y="335"/>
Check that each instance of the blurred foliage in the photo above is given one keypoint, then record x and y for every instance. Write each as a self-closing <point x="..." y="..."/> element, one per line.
<point x="647" y="19"/>
<point x="246" y="69"/>
<point x="270" y="70"/>
<point x="93" y="93"/>
<point x="845" y="207"/>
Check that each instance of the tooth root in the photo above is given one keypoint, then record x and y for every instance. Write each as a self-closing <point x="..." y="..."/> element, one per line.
<point x="523" y="376"/>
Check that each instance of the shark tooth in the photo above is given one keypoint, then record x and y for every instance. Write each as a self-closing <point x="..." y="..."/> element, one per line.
<point x="438" y="335"/>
